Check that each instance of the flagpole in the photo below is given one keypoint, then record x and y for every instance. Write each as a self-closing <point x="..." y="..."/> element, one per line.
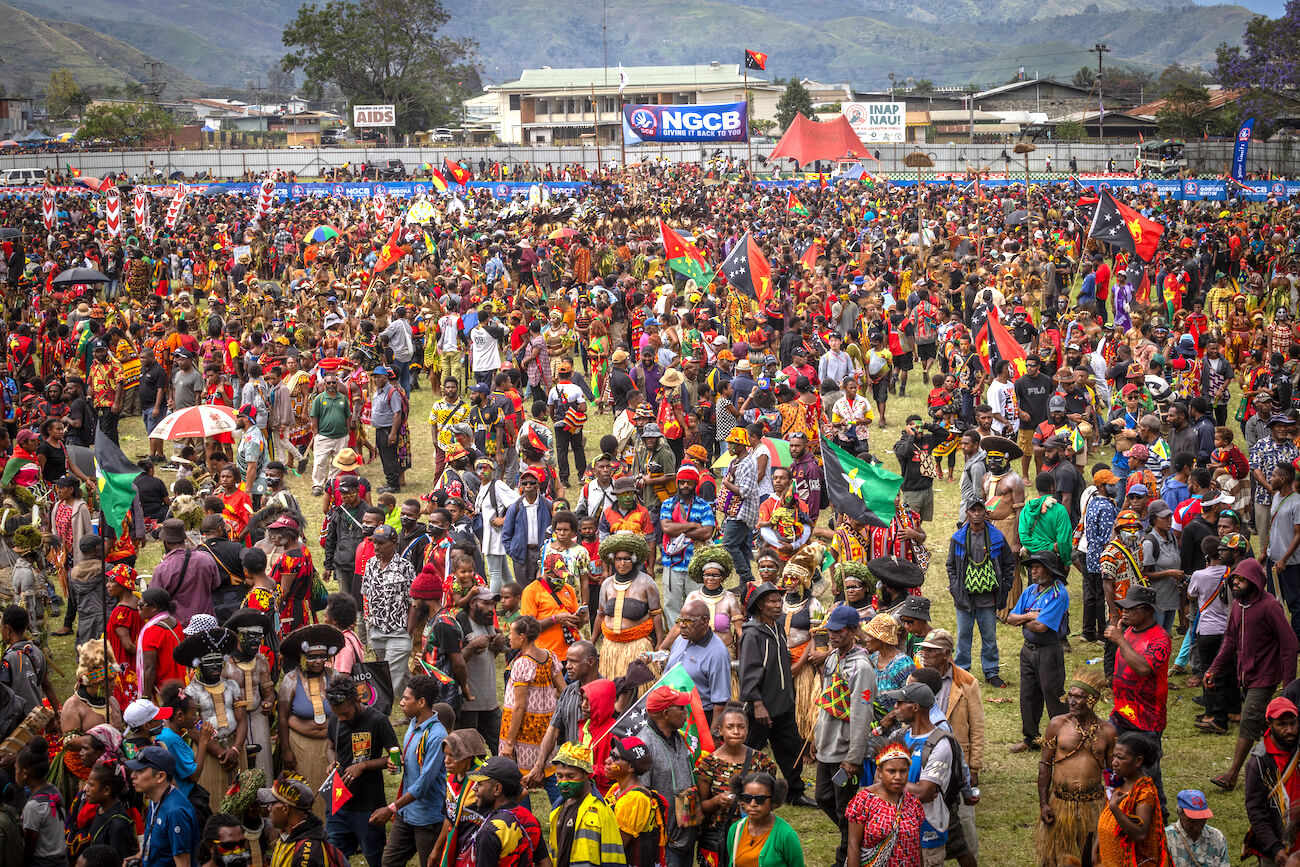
<point x="749" y="143"/>
<point x="103" y="591"/>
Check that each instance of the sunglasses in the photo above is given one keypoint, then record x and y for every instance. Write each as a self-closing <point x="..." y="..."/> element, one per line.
<point x="527" y="483"/>
<point x="686" y="621"/>
<point x="746" y="798"/>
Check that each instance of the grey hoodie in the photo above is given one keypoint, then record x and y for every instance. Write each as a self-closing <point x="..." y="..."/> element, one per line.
<point x="839" y="740"/>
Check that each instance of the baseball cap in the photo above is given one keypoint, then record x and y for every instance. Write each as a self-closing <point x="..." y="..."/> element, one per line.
<point x="939" y="639"/>
<point x="1138" y="490"/>
<point x="382" y="370"/>
<point x="1139" y="451"/>
<point x="292" y="791"/>
<point x="142" y="711"/>
<point x="1233" y="541"/>
<point x="1193" y="804"/>
<point x="843" y="617"/>
<point x="1138" y="595"/>
<point x="497" y="768"/>
<point x="663" y="697"/>
<point x="157" y="757"/>
<point x="484" y="593"/>
<point x="913" y="693"/>
<point x="1223" y="499"/>
<point x="1280" y="706"/>
<point x="481" y="388"/>
<point x="352" y="483"/>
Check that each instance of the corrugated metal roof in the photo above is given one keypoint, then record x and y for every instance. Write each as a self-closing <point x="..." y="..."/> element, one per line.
<point x="639" y="78"/>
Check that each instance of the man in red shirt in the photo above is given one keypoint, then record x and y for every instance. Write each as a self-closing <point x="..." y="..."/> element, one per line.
<point x="1141" y="680"/>
<point x="1102" y="279"/>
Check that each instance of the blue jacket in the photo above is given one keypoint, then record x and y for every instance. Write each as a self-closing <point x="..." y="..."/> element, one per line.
<point x="514" y="532"/>
<point x="999" y="552"/>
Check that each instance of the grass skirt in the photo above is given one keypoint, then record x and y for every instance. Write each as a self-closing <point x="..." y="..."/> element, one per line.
<point x="313" y="765"/>
<point x="1065" y="837"/>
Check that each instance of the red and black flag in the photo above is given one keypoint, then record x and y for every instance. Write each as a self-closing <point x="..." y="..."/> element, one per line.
<point x="458" y="172"/>
<point x="807" y="253"/>
<point x="748" y="270"/>
<point x="993" y="344"/>
<point x="755" y="60"/>
<point x="1121" y="226"/>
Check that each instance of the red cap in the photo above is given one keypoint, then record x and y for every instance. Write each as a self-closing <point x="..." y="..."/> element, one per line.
<point x="1279" y="706"/>
<point x="663" y="697"/>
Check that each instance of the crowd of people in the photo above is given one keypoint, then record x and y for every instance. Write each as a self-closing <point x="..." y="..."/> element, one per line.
<point x="518" y="592"/>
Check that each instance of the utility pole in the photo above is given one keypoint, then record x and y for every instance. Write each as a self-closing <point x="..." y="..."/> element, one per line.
<point x="1099" y="49"/>
<point x="970" y="101"/>
<point x="891" y="87"/>
<point x="595" y="123"/>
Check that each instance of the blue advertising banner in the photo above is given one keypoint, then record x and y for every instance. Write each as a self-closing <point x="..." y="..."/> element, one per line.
<point x="723" y="122"/>
<point x="1243" y="145"/>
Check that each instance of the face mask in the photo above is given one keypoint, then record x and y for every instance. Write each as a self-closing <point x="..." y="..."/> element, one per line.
<point x="436" y="531"/>
<point x="368" y="531"/>
<point x="408" y="522"/>
<point x="570" y="789"/>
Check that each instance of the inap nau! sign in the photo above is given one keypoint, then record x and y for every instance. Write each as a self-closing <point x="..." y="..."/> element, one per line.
<point x="373" y="115"/>
<point x="877" y="121"/>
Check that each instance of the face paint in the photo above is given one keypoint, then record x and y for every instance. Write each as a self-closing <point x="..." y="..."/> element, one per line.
<point x="570" y="789"/>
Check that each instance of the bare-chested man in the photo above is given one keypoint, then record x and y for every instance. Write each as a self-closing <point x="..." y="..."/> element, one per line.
<point x="1076" y="747"/>
<point x="1004" y="495"/>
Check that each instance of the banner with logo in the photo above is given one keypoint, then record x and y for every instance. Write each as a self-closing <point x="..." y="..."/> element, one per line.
<point x="722" y="122"/>
<point x="177" y="205"/>
<point x="113" y="212"/>
<point x="1239" y="152"/>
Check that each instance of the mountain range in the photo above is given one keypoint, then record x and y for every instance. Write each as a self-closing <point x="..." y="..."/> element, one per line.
<point x="948" y="42"/>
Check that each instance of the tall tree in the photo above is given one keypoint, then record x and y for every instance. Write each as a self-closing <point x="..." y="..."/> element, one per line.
<point x="1084" y="77"/>
<point x="795" y="100"/>
<point x="1267" y="65"/>
<point x="62" y="95"/>
<point x="382" y="52"/>
<point x="128" y="123"/>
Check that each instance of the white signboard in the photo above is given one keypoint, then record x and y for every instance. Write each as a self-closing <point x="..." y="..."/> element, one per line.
<point x="877" y="121"/>
<point x="377" y="115"/>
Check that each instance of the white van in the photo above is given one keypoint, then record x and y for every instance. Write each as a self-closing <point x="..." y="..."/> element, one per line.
<point x="23" y="177"/>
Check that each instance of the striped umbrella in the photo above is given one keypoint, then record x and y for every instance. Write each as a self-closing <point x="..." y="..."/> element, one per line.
<point x="204" y="420"/>
<point x="321" y="234"/>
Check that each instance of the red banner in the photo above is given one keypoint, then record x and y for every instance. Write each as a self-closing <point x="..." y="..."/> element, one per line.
<point x="113" y="212"/>
<point x="381" y="208"/>
<point x="140" y="209"/>
<point x="265" y="197"/>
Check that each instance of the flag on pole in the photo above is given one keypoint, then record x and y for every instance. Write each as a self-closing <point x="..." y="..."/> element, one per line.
<point x="863" y="491"/>
<point x="695" y="729"/>
<point x="794" y="206"/>
<point x="1121" y="226"/>
<point x="749" y="271"/>
<point x="116" y="476"/>
<point x="686" y="259"/>
<point x="73" y="173"/>
<point x="994" y="343"/>
<point x="339" y="793"/>
<point x="459" y="173"/>
<point x="622" y="79"/>
<point x="392" y="252"/>
<point x="438" y="180"/>
<point x="755" y="60"/>
<point x="808" y="253"/>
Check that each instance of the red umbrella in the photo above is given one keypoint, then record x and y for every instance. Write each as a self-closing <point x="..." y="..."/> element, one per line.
<point x="204" y="420"/>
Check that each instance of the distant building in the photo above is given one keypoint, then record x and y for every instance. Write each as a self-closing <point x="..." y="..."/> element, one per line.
<point x="302" y="128"/>
<point x="547" y="105"/>
<point x="15" y="114"/>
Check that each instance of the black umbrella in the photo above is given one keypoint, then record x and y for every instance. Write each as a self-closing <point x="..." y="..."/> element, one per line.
<point x="7" y="232"/>
<point x="77" y="276"/>
<point x="1018" y="217"/>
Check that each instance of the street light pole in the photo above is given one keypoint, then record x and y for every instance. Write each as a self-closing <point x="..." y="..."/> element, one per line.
<point x="1099" y="49"/>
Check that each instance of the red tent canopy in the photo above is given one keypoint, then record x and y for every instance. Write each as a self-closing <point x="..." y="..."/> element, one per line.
<point x="807" y="141"/>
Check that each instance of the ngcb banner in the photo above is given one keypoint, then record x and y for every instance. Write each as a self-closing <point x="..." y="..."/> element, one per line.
<point x="724" y="122"/>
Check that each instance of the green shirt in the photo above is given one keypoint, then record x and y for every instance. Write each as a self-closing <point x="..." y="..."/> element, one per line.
<point x="331" y="414"/>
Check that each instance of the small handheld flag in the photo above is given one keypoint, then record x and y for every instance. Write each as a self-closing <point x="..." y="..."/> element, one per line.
<point x="116" y="476"/>
<point x="794" y="206"/>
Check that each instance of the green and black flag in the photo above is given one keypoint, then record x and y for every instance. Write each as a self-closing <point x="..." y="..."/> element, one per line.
<point x="116" y="475"/>
<point x="863" y="491"/>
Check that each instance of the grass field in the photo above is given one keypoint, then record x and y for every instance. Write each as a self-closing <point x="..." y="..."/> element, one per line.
<point x="1008" y="809"/>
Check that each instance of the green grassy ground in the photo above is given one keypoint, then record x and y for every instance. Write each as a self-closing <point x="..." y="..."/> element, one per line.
<point x="1008" y="810"/>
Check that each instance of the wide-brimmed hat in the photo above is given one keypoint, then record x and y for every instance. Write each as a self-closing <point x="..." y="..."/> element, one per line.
<point x="290" y="790"/>
<point x="1001" y="445"/>
<point x="672" y="378"/>
<point x="1050" y="561"/>
<point x="213" y="642"/>
<point x="346" y="459"/>
<point x="624" y="485"/>
<point x="246" y="618"/>
<point x="897" y="573"/>
<point x="317" y="635"/>
<point x="757" y="593"/>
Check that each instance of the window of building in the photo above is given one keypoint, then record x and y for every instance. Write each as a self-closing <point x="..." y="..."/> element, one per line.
<point x="514" y="102"/>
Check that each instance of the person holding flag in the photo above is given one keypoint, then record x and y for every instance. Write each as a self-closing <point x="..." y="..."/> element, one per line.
<point x="358" y="740"/>
<point x="302" y="840"/>
<point x="672" y="773"/>
<point x="417" y="811"/>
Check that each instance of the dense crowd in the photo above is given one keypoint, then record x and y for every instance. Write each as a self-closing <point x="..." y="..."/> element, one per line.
<point x="669" y="631"/>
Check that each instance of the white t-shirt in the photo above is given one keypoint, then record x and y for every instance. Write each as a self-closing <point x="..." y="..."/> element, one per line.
<point x="449" y="333"/>
<point x="1002" y="397"/>
<point x="485" y="351"/>
<point x="505" y="498"/>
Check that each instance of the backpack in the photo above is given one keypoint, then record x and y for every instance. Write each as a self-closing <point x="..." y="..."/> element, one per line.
<point x="956" y="772"/>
